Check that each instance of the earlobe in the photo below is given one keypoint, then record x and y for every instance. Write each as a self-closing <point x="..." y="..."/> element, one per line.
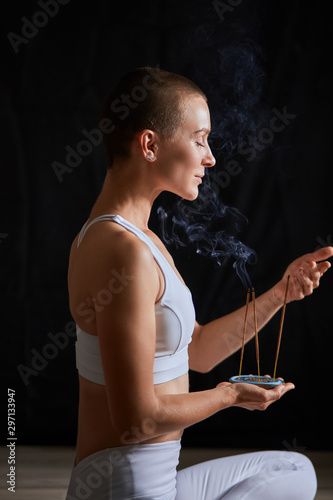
<point x="148" y="147"/>
<point x="149" y="156"/>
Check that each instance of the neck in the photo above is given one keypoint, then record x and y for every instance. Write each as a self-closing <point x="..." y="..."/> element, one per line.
<point x="127" y="194"/>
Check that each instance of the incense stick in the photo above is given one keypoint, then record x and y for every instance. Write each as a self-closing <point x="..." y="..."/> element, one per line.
<point x="281" y="326"/>
<point x="244" y="331"/>
<point x="256" y="330"/>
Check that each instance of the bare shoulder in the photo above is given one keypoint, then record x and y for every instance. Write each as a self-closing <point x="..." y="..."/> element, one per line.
<point x="109" y="256"/>
<point x="107" y="244"/>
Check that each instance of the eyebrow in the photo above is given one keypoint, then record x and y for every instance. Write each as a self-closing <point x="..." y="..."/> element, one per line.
<point x="206" y="130"/>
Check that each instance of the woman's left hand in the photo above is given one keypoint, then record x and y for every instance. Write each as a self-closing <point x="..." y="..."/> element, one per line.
<point x="305" y="273"/>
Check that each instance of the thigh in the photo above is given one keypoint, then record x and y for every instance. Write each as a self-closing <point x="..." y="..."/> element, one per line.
<point x="262" y="475"/>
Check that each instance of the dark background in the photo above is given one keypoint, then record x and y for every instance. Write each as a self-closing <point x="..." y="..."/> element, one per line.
<point x="251" y="57"/>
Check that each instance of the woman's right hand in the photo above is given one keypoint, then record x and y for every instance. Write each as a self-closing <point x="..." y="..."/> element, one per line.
<point x="253" y="397"/>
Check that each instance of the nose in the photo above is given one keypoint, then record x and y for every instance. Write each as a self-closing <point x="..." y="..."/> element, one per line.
<point x="209" y="159"/>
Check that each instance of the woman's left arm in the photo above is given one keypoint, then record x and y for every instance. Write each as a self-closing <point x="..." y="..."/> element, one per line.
<point x="217" y="340"/>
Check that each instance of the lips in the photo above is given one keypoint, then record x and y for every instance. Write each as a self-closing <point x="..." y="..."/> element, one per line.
<point x="199" y="178"/>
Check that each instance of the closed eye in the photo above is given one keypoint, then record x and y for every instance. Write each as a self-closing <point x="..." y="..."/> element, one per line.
<point x="199" y="144"/>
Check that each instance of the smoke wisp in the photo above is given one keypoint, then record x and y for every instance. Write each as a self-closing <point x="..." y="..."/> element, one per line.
<point x="207" y="225"/>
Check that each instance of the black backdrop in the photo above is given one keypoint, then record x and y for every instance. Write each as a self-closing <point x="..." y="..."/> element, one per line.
<point x="256" y="60"/>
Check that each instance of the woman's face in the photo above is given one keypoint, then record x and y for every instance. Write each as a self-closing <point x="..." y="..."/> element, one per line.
<point x="183" y="158"/>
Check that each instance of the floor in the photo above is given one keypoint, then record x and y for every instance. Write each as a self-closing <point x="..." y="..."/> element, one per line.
<point x="42" y="473"/>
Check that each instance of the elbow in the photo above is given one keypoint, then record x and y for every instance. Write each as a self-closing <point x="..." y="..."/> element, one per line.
<point x="198" y="361"/>
<point x="200" y="366"/>
<point x="202" y="370"/>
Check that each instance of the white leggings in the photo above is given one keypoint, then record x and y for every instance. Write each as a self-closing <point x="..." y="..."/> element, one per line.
<point x="148" y="472"/>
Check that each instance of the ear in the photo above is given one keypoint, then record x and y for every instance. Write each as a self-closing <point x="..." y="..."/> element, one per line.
<point x="148" y="144"/>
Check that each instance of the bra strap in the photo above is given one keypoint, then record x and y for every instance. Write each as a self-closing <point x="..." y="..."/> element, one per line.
<point x="87" y="226"/>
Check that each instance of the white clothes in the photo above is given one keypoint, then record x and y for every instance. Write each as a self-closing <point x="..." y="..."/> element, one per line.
<point x="175" y="321"/>
<point x="149" y="472"/>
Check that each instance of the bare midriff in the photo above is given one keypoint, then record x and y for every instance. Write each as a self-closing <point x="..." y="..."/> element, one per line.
<point x="95" y="429"/>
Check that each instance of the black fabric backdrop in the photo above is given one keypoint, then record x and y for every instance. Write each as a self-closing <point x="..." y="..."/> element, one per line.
<point x="255" y="58"/>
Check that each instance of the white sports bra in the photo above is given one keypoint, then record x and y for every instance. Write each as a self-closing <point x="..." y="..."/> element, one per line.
<point x="175" y="320"/>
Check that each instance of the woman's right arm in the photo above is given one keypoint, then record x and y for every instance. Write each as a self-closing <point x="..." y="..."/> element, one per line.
<point x="126" y="330"/>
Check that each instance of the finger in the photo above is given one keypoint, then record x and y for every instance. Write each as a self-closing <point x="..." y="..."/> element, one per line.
<point x="288" y="386"/>
<point x="281" y="389"/>
<point x="305" y="282"/>
<point x="321" y="254"/>
<point x="315" y="271"/>
<point x="312" y="273"/>
<point x="322" y="267"/>
<point x="223" y="384"/>
<point x="312" y="265"/>
<point x="274" y="394"/>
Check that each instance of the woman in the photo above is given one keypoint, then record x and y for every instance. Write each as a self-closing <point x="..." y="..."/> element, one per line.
<point x="135" y="317"/>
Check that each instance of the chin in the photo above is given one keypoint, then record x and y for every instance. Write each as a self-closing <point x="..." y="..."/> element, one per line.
<point x="190" y="194"/>
<point x="192" y="197"/>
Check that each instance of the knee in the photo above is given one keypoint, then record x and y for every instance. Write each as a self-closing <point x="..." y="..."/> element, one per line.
<point x="301" y="461"/>
<point x="307" y="478"/>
